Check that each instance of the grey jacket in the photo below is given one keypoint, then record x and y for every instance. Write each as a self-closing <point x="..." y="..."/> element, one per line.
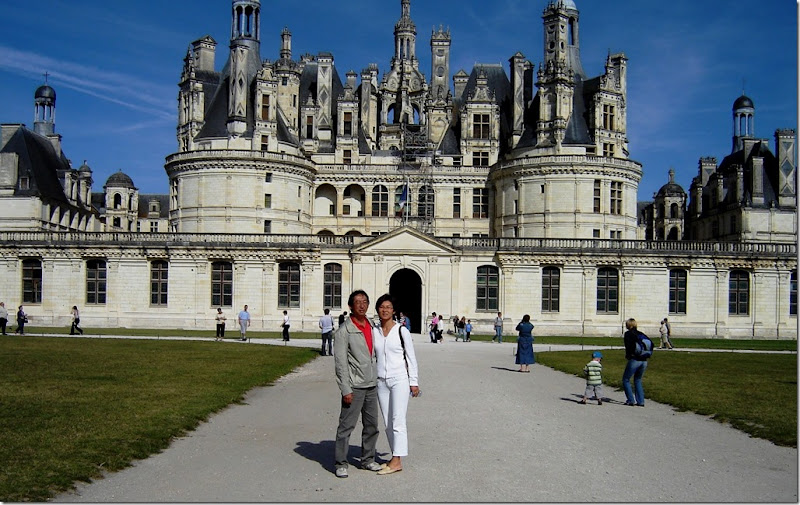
<point x="355" y="365"/>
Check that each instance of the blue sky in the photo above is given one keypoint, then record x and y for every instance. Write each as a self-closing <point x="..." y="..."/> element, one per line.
<point x="115" y="65"/>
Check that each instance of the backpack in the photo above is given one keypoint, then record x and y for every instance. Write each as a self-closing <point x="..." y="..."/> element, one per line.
<point x="644" y="346"/>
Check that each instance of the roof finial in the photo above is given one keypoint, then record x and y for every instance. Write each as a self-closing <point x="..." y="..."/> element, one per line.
<point x="45" y="76"/>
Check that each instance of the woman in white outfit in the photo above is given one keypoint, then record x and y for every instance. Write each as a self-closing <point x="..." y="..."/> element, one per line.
<point x="397" y="379"/>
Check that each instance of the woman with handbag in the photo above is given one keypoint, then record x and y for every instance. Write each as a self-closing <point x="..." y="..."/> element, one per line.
<point x="397" y="379"/>
<point x="22" y="318"/>
<point x="76" y="320"/>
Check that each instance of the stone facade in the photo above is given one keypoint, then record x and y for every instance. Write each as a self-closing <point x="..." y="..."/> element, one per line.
<point x="291" y="188"/>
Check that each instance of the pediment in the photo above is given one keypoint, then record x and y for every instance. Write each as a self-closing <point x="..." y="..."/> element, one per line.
<point x="405" y="241"/>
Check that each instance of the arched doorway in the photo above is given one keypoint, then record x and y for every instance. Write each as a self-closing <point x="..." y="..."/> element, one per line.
<point x="405" y="286"/>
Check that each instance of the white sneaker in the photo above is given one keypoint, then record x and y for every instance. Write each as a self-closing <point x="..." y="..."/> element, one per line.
<point x="341" y="472"/>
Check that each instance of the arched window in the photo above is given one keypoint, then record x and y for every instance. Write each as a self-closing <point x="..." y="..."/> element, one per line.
<point x="380" y="201"/>
<point x="425" y="205"/>
<point x="222" y="284"/>
<point x="739" y="293"/>
<point x="117" y="200"/>
<point x="487" y="288"/>
<point x="332" y="286"/>
<point x="607" y="290"/>
<point x="159" y="271"/>
<point x="677" y="291"/>
<point x="673" y="233"/>
<point x="674" y="211"/>
<point x="551" y="284"/>
<point x="32" y="281"/>
<point x="289" y="285"/>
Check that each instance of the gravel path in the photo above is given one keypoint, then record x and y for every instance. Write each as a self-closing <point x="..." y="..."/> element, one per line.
<point x="481" y="432"/>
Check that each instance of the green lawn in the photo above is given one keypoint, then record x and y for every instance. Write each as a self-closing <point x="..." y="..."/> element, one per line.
<point x="71" y="408"/>
<point x="756" y="393"/>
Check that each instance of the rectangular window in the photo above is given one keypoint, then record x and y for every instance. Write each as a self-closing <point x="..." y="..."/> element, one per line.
<point x="267" y="226"/>
<point x="267" y="201"/>
<point x="608" y="117"/>
<point x="595" y="233"/>
<point x="309" y="127"/>
<point x="456" y="202"/>
<point x="347" y="156"/>
<point x="158" y="282"/>
<point x="608" y="150"/>
<point x="268" y="177"/>
<point x="677" y="291"/>
<point x="348" y="123"/>
<point x="480" y="158"/>
<point x="96" y="282"/>
<point x="480" y="126"/>
<point x="24" y="183"/>
<point x="265" y="142"/>
<point x="31" y="281"/>
<point x="488" y="288"/>
<point x="597" y="196"/>
<point x="456" y="161"/>
<point x="289" y="285"/>
<point x="793" y="293"/>
<point x="551" y="284"/>
<point x="616" y="198"/>
<point x="480" y="203"/>
<point x="607" y="291"/>
<point x="221" y="284"/>
<point x="739" y="293"/>
<point x="615" y="234"/>
<point x="265" y="107"/>
<point x="332" y="286"/>
<point x="153" y="226"/>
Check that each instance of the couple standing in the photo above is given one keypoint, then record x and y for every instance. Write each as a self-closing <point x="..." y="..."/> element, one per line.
<point x="374" y="365"/>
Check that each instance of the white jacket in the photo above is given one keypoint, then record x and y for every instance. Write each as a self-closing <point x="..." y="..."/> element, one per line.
<point x="389" y="354"/>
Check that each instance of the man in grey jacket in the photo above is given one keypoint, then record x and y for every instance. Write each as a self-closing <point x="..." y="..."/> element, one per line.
<point x="356" y="376"/>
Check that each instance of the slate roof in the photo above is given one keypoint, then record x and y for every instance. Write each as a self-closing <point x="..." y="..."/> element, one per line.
<point x="144" y="204"/>
<point x="769" y="174"/>
<point x="39" y="161"/>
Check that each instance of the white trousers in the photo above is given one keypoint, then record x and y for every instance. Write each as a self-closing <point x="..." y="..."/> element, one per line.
<point x="393" y="395"/>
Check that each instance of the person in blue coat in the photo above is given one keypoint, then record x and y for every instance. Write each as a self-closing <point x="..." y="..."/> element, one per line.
<point x="525" y="344"/>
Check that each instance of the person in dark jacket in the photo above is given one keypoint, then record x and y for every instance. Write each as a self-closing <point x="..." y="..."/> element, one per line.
<point x="635" y="367"/>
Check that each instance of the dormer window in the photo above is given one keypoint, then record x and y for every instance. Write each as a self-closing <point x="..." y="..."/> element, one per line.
<point x="24" y="183"/>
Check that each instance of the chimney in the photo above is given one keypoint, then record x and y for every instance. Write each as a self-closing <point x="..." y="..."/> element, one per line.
<point x="204" y="50"/>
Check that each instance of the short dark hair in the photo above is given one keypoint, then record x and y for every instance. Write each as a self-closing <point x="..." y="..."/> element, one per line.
<point x="327" y="311"/>
<point x="353" y="296"/>
<point x="382" y="299"/>
<point x="526" y="318"/>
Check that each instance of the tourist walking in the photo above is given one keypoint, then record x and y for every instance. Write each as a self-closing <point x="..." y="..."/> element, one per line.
<point x="434" y="325"/>
<point x="637" y="353"/>
<point x="3" y="317"/>
<point x="664" y="330"/>
<point x="22" y="318"/>
<point x="285" y="326"/>
<point x="76" y="320"/>
<point x="356" y="376"/>
<point x="498" y="328"/>
<point x="220" y="319"/>
<point x="326" y="326"/>
<point x="525" y="344"/>
<point x="397" y="379"/>
<point x="243" y="319"/>
<point x="593" y="371"/>
<point x="468" y="329"/>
